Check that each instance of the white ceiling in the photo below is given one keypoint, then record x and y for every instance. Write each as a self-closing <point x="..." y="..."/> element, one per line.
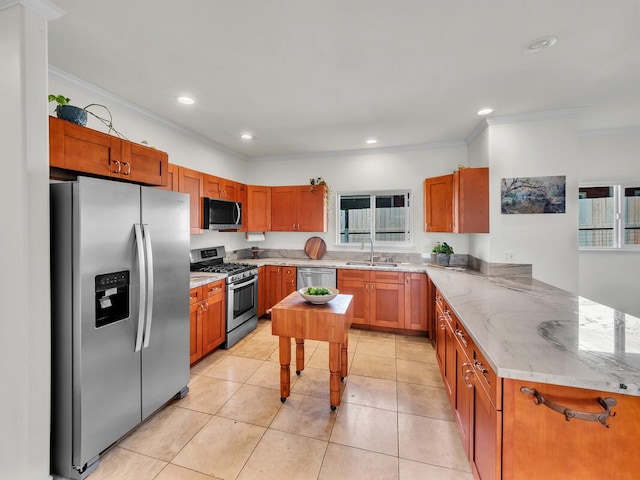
<point x="325" y="75"/>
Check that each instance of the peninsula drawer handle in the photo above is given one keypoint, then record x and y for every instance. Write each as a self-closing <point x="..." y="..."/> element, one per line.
<point x="462" y="338"/>
<point x="569" y="413"/>
<point x="467" y="371"/>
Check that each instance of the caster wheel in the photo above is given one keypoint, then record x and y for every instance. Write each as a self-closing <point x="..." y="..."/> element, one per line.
<point x="282" y="399"/>
<point x="333" y="407"/>
<point x="298" y="372"/>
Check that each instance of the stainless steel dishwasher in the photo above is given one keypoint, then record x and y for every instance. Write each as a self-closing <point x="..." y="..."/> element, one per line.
<point x="316" y="277"/>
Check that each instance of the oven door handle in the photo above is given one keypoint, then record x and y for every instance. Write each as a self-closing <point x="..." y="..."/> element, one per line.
<point x="235" y="286"/>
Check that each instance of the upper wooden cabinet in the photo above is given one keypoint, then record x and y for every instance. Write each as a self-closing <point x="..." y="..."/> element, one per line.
<point x="83" y="150"/>
<point x="222" y="188"/>
<point x="258" y="211"/>
<point x="299" y="208"/>
<point x="172" y="179"/>
<point x="191" y="182"/>
<point x="458" y="202"/>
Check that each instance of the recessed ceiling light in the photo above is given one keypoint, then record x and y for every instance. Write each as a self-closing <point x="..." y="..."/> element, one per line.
<point x="371" y="141"/>
<point x="186" y="100"/>
<point x="485" y="111"/>
<point x="246" y="136"/>
<point x="539" y="44"/>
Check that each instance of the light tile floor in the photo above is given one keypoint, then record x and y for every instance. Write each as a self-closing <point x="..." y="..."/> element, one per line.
<point x="395" y="421"/>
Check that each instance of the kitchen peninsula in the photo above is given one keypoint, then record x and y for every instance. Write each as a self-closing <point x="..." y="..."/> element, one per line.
<point x="509" y="346"/>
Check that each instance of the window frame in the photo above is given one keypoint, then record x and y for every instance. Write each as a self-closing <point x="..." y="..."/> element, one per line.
<point x="619" y="217"/>
<point x="406" y="192"/>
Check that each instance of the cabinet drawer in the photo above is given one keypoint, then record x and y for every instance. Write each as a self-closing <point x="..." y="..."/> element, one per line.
<point x="214" y="288"/>
<point x="487" y="378"/>
<point x="195" y="295"/>
<point x="353" y="275"/>
<point x="463" y="338"/>
<point x="385" y="276"/>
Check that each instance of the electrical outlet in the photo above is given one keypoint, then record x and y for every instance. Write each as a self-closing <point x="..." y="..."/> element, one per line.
<point x="508" y="255"/>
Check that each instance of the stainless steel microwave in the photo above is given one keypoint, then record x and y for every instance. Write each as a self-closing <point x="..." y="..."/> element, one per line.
<point x="222" y="214"/>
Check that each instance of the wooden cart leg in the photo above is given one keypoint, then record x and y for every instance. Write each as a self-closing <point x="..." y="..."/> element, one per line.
<point x="299" y="355"/>
<point x="285" y="375"/>
<point x="334" y="379"/>
<point x="344" y="360"/>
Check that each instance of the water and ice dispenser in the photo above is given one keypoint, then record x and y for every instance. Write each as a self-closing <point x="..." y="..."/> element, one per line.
<point x="112" y="297"/>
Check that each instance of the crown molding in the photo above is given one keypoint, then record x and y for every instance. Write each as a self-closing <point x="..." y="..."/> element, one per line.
<point x="43" y="7"/>
<point x="519" y="118"/>
<point x="92" y="89"/>
<point x="361" y="151"/>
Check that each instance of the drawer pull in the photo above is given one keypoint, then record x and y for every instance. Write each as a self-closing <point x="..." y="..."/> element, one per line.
<point x="462" y="338"/>
<point x="569" y="413"/>
<point x="467" y="371"/>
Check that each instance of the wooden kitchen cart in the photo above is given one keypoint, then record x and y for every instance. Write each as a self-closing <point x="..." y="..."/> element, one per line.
<point x="293" y="317"/>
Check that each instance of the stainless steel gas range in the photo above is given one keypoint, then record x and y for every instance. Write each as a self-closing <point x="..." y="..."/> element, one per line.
<point x="242" y="290"/>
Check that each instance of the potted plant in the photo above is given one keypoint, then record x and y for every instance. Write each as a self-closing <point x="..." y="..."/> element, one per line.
<point x="443" y="253"/>
<point x="69" y="112"/>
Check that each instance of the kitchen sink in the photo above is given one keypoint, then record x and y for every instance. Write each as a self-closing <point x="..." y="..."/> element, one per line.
<point x="373" y="264"/>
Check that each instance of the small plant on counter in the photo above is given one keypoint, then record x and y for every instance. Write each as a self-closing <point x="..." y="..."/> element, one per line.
<point x="443" y="253"/>
<point x="443" y="247"/>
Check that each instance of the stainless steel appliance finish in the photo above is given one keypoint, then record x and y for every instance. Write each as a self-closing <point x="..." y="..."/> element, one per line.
<point x="120" y="313"/>
<point x="242" y="290"/>
<point x="316" y="277"/>
<point x="222" y="214"/>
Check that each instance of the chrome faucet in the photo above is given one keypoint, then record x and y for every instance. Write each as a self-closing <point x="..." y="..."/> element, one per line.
<point x="371" y="242"/>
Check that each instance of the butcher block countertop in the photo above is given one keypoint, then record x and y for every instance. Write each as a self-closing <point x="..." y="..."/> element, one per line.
<point x="529" y="330"/>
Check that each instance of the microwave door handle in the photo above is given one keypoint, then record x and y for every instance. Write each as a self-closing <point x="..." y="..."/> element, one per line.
<point x="237" y="212"/>
<point x="149" y="315"/>
<point x="142" y="283"/>
<point x="240" y="285"/>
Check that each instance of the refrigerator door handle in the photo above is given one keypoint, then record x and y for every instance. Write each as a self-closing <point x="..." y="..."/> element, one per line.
<point x="149" y="315"/>
<point x="142" y="284"/>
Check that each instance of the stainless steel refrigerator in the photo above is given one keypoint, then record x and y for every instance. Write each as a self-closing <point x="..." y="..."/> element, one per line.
<point x="120" y="313"/>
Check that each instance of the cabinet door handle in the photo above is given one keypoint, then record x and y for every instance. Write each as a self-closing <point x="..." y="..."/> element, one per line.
<point x="128" y="166"/>
<point x="467" y="371"/>
<point x="462" y="338"/>
<point x="569" y="413"/>
<point x="441" y="322"/>
<point x="117" y="162"/>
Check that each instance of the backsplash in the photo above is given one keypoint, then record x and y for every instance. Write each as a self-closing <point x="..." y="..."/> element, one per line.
<point x="457" y="260"/>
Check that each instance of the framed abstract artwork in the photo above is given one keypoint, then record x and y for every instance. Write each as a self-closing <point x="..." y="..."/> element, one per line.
<point x="533" y="194"/>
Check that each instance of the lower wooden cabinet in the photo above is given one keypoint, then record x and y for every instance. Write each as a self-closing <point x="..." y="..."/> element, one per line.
<point x="207" y="318"/>
<point x="280" y="282"/>
<point x="474" y="390"/>
<point x="384" y="298"/>
<point x="540" y="443"/>
<point x="262" y="291"/>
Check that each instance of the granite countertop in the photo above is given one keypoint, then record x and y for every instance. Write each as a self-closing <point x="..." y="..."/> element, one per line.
<point x="197" y="279"/>
<point x="529" y="330"/>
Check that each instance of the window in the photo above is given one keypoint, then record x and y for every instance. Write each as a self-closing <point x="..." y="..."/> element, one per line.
<point x="382" y="216"/>
<point x="609" y="216"/>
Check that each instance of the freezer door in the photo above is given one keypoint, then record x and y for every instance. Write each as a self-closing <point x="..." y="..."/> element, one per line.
<point x="165" y="354"/>
<point x="106" y="369"/>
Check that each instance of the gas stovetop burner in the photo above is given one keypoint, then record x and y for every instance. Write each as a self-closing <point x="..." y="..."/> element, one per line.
<point x="211" y="260"/>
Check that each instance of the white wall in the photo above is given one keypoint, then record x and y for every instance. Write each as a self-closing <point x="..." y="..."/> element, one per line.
<point x="364" y="171"/>
<point x="25" y="343"/>
<point x="547" y="241"/>
<point x="610" y="277"/>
